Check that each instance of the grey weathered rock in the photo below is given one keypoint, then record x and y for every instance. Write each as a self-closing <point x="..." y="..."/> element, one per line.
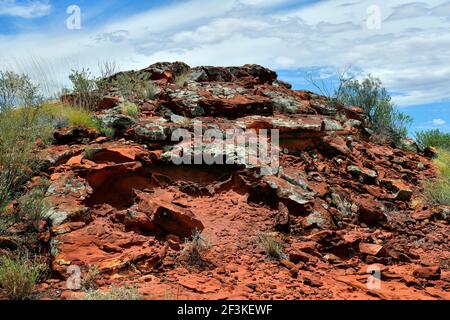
<point x="153" y="130"/>
<point x="443" y="212"/>
<point x="332" y="125"/>
<point x="408" y="145"/>
<point x="63" y="213"/>
<point x="321" y="219"/>
<point x="116" y="120"/>
<point x="302" y="199"/>
<point x="323" y="108"/>
<point x="366" y="174"/>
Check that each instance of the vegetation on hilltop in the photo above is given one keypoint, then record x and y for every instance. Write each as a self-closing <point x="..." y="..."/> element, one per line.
<point x="433" y="138"/>
<point x="385" y="120"/>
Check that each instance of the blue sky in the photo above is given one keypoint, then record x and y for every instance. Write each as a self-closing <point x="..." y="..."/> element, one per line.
<point x="405" y="43"/>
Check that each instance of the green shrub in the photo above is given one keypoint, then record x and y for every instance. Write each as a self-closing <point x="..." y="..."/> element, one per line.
<point x="21" y="125"/>
<point x="133" y="84"/>
<point x="89" y="280"/>
<point x="28" y="213"/>
<point x="24" y="129"/>
<point x="86" y="93"/>
<point x="130" y="109"/>
<point x="125" y="83"/>
<point x="433" y="138"/>
<point x="273" y="248"/>
<point x="108" y="132"/>
<point x="181" y="79"/>
<point x="19" y="275"/>
<point x="115" y="293"/>
<point x="82" y="81"/>
<point x="373" y="98"/>
<point x="70" y="115"/>
<point x="438" y="191"/>
<point x="20" y="128"/>
<point x="88" y="89"/>
<point x="149" y="91"/>
<point x="17" y="90"/>
<point x="79" y="117"/>
<point x="90" y="152"/>
<point x="107" y="70"/>
<point x="32" y="205"/>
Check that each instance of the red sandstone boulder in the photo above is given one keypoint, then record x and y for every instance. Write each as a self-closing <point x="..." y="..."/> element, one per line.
<point x="140" y="221"/>
<point x="298" y="200"/>
<point x="176" y="220"/>
<point x="371" y="212"/>
<point x="172" y="219"/>
<point x="75" y="135"/>
<point x="246" y="73"/>
<point x="428" y="273"/>
<point x="404" y="193"/>
<point x="166" y="70"/>
<point x="109" y="102"/>
<point x="334" y="146"/>
<point x="423" y="215"/>
<point x="366" y="175"/>
<point x="375" y="250"/>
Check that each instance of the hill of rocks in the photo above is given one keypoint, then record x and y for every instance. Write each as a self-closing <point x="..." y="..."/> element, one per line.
<point x="339" y="208"/>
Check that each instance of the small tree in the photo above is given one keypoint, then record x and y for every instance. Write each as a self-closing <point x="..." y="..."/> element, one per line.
<point x="17" y="90"/>
<point x="369" y="94"/>
<point x="373" y="98"/>
<point x="83" y="81"/>
<point x="85" y="89"/>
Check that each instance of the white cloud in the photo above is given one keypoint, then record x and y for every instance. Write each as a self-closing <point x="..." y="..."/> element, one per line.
<point x="409" y="10"/>
<point x="439" y="122"/>
<point x="418" y="9"/>
<point x="219" y="30"/>
<point x="409" y="54"/>
<point x="25" y="9"/>
<point x="115" y="36"/>
<point x="263" y="3"/>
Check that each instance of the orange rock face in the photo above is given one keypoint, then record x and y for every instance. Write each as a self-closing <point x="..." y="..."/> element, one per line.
<point x="337" y="207"/>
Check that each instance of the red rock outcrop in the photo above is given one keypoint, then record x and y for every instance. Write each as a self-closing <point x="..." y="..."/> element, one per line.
<point x="340" y="204"/>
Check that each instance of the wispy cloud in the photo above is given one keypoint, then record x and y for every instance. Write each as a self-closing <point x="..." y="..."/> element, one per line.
<point x="419" y="9"/>
<point x="439" y="122"/>
<point x="24" y="9"/>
